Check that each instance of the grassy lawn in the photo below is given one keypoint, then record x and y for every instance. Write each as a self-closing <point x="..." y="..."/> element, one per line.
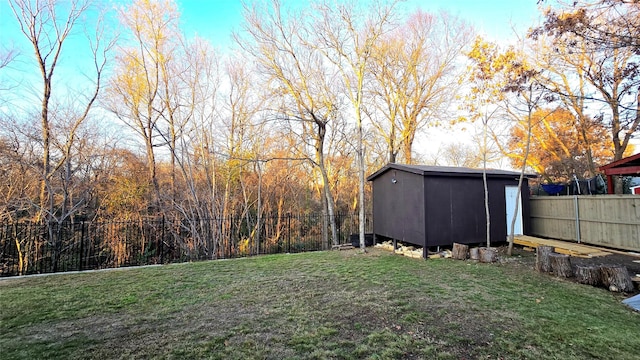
<point x="315" y="306"/>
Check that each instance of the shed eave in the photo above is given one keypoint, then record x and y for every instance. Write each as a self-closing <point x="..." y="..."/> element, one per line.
<point x="447" y="171"/>
<point x="628" y="162"/>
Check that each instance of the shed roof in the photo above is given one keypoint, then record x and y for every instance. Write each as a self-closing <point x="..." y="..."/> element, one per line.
<point x="627" y="166"/>
<point x="425" y="170"/>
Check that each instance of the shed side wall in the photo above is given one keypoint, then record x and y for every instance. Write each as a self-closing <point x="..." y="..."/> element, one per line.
<point x="398" y="207"/>
<point x="455" y="211"/>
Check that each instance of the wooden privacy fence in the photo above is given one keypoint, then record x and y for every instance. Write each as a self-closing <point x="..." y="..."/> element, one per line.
<point x="606" y="220"/>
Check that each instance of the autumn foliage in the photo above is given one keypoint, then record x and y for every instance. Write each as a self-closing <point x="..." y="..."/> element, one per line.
<point x="559" y="147"/>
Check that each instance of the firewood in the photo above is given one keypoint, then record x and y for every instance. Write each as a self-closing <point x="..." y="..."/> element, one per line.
<point x="488" y="255"/>
<point x="460" y="251"/>
<point x="560" y="265"/>
<point x="616" y="278"/>
<point x="416" y="254"/>
<point x="474" y="253"/>
<point x="542" y="258"/>
<point x="589" y="275"/>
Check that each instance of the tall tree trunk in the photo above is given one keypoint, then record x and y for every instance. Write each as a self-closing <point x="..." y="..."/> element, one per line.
<point x="259" y="208"/>
<point x="484" y="182"/>
<point x="325" y="183"/>
<point x="325" y="220"/>
<point x="408" y="146"/>
<point x="173" y="162"/>
<point x="392" y="144"/>
<point x="520" y="180"/>
<point x="588" y="151"/>
<point x="46" y="203"/>
<point x="153" y="178"/>
<point x="361" y="179"/>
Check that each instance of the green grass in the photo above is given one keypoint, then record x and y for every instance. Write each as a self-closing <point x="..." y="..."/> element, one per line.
<point x="342" y="305"/>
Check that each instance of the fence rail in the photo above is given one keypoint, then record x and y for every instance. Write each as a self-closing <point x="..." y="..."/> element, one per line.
<point x="606" y="220"/>
<point x="28" y="248"/>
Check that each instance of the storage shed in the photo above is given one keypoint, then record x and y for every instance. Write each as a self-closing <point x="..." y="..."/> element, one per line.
<point x="433" y="206"/>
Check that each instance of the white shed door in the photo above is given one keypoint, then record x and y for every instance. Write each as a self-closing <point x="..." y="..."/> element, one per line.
<point x="510" y="195"/>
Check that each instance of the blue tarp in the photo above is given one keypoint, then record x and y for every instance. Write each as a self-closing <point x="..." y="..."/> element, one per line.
<point x="552" y="189"/>
<point x="633" y="302"/>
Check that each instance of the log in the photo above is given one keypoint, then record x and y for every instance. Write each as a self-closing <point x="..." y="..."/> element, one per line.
<point x="616" y="278"/>
<point x="542" y="258"/>
<point x="342" y="247"/>
<point x="459" y="251"/>
<point x="488" y="255"/>
<point x="474" y="253"/>
<point x="560" y="265"/>
<point x="589" y="275"/>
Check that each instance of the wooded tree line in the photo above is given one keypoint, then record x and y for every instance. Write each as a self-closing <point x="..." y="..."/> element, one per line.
<point x="308" y="101"/>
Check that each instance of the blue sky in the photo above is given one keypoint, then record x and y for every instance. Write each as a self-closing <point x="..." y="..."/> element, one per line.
<point x="215" y="19"/>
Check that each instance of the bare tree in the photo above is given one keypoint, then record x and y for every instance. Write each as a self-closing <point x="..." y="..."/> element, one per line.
<point x="283" y="47"/>
<point x="416" y="67"/>
<point x="7" y="56"/>
<point x="137" y="92"/>
<point x="458" y="154"/>
<point x="47" y="25"/>
<point x="347" y="36"/>
<point x="481" y="102"/>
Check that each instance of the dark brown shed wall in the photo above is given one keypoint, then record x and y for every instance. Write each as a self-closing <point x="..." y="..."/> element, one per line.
<point x="455" y="210"/>
<point x="398" y="209"/>
<point x="456" y="213"/>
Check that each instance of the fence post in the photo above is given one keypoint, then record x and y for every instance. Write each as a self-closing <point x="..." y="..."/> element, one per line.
<point x="577" y="212"/>
<point x="339" y="219"/>
<point x="159" y="244"/>
<point x="81" y="244"/>
<point x="289" y="232"/>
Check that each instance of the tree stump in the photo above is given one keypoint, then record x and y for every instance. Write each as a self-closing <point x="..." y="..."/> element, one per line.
<point x="459" y="251"/>
<point x="616" y="278"/>
<point x="488" y="255"/>
<point x="542" y="258"/>
<point x="474" y="253"/>
<point x="560" y="265"/>
<point x="589" y="275"/>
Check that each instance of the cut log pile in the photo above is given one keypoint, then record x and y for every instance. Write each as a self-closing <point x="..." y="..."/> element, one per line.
<point x="560" y="265"/>
<point x="588" y="275"/>
<point x="482" y="254"/>
<point x="412" y="251"/>
<point x="460" y="251"/>
<point x="488" y="254"/>
<point x="616" y="278"/>
<point x="342" y="247"/>
<point x="387" y="245"/>
<point x="613" y="277"/>
<point x="542" y="258"/>
<point x="442" y="254"/>
<point x="474" y="253"/>
<point x="408" y="251"/>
